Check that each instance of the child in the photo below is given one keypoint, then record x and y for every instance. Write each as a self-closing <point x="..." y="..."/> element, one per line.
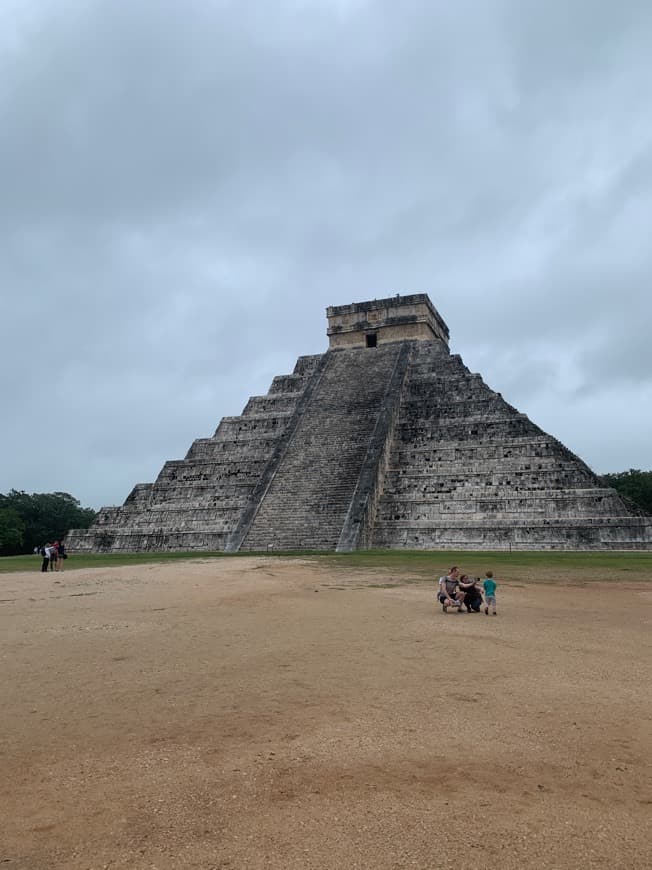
<point x="489" y="585"/>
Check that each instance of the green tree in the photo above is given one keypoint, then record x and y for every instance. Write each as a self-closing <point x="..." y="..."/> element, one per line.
<point x="44" y="517"/>
<point x="633" y="484"/>
<point x="12" y="532"/>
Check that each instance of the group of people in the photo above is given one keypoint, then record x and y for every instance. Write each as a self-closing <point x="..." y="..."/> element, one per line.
<point x="459" y="590"/>
<point x="53" y="556"/>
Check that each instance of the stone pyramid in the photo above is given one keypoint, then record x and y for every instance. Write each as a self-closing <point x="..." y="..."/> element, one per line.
<point x="386" y="440"/>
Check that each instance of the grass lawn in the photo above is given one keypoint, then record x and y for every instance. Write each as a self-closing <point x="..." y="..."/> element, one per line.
<point x="98" y="560"/>
<point x="544" y="565"/>
<point x="580" y="567"/>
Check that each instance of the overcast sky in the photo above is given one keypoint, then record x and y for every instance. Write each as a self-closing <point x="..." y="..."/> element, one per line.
<point x="185" y="186"/>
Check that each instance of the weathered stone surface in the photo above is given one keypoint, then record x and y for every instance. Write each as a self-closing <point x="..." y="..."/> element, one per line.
<point x="389" y="443"/>
<point x="307" y="501"/>
<point x="196" y="502"/>
<point x="381" y="321"/>
<point x="467" y="470"/>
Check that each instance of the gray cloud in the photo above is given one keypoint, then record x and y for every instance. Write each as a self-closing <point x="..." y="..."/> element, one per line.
<point x="185" y="190"/>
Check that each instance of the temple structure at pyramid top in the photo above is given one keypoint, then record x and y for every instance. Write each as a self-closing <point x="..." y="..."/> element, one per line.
<point x="381" y="321"/>
<point x="384" y="440"/>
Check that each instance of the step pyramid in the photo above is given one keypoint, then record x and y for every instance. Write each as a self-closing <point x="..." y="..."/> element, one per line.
<point x="385" y="440"/>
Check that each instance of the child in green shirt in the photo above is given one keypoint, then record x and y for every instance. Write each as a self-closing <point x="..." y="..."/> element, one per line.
<point x="489" y="585"/>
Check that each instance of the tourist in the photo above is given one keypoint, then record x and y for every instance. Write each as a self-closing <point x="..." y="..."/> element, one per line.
<point x="489" y="585"/>
<point x="472" y="594"/>
<point x="46" y="552"/>
<point x="450" y="594"/>
<point x="54" y="556"/>
<point x="61" y="555"/>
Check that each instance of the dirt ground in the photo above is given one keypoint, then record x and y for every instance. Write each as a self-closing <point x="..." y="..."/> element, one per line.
<point x="268" y="713"/>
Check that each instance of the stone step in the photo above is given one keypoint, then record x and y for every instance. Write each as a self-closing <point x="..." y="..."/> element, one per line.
<point x="320" y="471"/>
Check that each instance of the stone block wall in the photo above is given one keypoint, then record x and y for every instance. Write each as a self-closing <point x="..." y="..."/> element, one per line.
<point x="397" y="318"/>
<point x="468" y="471"/>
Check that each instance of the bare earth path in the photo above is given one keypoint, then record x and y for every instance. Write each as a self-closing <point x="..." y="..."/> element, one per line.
<point x="261" y="713"/>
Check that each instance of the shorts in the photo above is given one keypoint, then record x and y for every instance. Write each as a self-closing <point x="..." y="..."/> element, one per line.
<point x="444" y="597"/>
<point x="490" y="599"/>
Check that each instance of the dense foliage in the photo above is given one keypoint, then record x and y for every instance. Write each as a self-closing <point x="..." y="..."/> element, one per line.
<point x="633" y="484"/>
<point x="27" y="521"/>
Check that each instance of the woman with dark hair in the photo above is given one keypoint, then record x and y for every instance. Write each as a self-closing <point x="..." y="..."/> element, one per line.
<point x="61" y="555"/>
<point x="472" y="595"/>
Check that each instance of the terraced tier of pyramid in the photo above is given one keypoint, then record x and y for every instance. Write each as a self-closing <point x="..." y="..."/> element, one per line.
<point x="386" y="440"/>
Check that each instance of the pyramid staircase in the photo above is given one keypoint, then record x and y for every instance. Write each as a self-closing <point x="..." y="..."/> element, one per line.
<point x="308" y="499"/>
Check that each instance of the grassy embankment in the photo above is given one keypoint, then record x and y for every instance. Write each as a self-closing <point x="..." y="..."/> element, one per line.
<point x="411" y="565"/>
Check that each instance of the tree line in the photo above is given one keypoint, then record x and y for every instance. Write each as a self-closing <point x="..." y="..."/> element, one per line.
<point x="27" y="521"/>
<point x="634" y="484"/>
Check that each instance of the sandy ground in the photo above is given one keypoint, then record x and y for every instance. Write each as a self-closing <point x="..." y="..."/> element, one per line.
<point x="259" y="713"/>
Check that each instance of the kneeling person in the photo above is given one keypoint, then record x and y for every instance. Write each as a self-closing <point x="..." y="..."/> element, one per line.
<point x="450" y="594"/>
<point x="472" y="595"/>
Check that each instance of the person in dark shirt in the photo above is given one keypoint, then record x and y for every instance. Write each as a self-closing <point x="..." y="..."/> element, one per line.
<point x="61" y="555"/>
<point x="472" y="595"/>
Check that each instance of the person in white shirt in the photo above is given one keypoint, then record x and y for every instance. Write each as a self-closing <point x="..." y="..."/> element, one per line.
<point x="46" y="552"/>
